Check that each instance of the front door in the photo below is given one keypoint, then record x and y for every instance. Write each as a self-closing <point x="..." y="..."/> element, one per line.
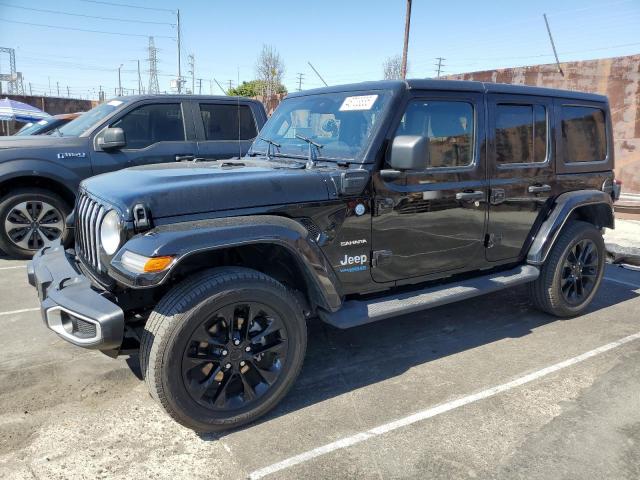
<point x="432" y="220"/>
<point x="521" y="171"/>
<point x="155" y="133"/>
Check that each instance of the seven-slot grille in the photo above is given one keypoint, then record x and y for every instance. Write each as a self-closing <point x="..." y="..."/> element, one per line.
<point x="89" y="215"/>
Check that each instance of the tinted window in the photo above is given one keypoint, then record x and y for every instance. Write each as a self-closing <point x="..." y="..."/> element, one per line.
<point x="583" y="134"/>
<point x="228" y="122"/>
<point x="449" y="127"/>
<point x="521" y="133"/>
<point x="150" y="124"/>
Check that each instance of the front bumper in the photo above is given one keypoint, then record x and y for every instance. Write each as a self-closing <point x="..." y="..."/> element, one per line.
<point x="70" y="305"/>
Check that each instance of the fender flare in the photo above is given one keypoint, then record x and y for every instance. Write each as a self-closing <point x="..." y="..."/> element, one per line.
<point x="188" y="238"/>
<point x="562" y="208"/>
<point x="40" y="169"/>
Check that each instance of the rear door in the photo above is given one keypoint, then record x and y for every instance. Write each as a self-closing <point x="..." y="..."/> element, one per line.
<point x="224" y="129"/>
<point x="154" y="132"/>
<point x="432" y="220"/>
<point x="521" y="163"/>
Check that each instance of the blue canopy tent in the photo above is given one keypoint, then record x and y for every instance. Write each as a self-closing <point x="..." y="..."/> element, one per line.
<point x="21" y="112"/>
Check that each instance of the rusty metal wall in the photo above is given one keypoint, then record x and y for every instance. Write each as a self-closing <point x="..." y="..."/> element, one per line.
<point x="618" y="78"/>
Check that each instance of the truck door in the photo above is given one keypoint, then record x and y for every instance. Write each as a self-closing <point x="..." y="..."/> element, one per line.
<point x="224" y="129"/>
<point x="433" y="220"/>
<point x="154" y="132"/>
<point x="521" y="171"/>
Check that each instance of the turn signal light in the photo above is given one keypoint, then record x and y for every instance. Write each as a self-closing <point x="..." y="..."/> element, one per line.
<point x="157" y="264"/>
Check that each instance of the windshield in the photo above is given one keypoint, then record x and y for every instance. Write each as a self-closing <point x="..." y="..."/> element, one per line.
<point x="32" y="128"/>
<point x="342" y="123"/>
<point x="85" y="121"/>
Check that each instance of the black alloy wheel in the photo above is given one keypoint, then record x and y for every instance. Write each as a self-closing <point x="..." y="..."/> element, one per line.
<point x="233" y="359"/>
<point x="579" y="272"/>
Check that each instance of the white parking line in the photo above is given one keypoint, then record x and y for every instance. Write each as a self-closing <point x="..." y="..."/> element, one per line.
<point x="13" y="268"/>
<point x="622" y="282"/>
<point x="20" y="311"/>
<point x="434" y="411"/>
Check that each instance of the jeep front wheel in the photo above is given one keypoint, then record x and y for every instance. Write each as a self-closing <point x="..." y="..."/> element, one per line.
<point x="572" y="273"/>
<point x="223" y="348"/>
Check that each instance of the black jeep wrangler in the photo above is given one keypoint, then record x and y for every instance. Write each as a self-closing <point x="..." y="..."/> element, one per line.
<point x="357" y="203"/>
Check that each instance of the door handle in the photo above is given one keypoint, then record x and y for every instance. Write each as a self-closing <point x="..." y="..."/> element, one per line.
<point x="539" y="188"/>
<point x="186" y="157"/>
<point x="470" y="196"/>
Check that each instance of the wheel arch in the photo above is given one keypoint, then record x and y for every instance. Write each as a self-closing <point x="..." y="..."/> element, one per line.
<point x="591" y="206"/>
<point x="30" y="175"/>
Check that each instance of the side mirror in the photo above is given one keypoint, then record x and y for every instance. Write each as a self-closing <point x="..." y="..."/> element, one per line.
<point x="409" y="152"/>
<point x="113" y="138"/>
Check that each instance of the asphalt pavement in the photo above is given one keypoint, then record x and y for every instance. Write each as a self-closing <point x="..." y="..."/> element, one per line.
<point x="486" y="388"/>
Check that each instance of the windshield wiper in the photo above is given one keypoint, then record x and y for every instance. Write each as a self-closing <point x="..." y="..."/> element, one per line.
<point x="270" y="144"/>
<point x="313" y="154"/>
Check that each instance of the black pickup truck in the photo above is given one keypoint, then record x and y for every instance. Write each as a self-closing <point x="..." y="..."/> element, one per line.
<point x="39" y="175"/>
<point x="357" y="203"/>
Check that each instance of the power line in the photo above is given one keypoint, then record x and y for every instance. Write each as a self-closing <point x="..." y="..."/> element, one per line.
<point x="58" y="12"/>
<point x="129" y="6"/>
<point x="81" y="29"/>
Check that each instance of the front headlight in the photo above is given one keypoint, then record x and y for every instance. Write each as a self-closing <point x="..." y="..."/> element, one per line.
<point x="110" y="232"/>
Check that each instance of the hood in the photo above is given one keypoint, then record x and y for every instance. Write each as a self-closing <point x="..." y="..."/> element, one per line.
<point x="40" y="142"/>
<point x="173" y="189"/>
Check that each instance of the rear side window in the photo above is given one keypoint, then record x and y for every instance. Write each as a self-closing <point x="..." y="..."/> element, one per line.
<point x="449" y="127"/>
<point x="151" y="124"/>
<point x="521" y="133"/>
<point x="584" y="136"/>
<point x="228" y="122"/>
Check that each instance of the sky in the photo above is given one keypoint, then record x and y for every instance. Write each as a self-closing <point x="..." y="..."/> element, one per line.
<point x="346" y="40"/>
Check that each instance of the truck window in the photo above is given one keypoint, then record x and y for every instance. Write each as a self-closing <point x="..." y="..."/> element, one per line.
<point x="583" y="134"/>
<point x="449" y="127"/>
<point x="228" y="122"/>
<point x="151" y="124"/>
<point x="521" y="133"/>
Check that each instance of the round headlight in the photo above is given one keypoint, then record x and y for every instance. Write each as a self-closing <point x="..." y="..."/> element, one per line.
<point x="110" y="232"/>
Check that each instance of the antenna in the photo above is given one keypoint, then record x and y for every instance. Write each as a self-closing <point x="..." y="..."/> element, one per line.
<point x="238" y="112"/>
<point x="553" y="45"/>
<point x="220" y="86"/>
<point x="319" y="76"/>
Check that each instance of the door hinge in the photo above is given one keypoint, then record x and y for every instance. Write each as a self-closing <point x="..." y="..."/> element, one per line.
<point x="380" y="257"/>
<point x="383" y="205"/>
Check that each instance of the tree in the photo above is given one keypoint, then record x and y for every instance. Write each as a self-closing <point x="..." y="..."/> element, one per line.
<point x="255" y="88"/>
<point x="392" y="68"/>
<point x="270" y="70"/>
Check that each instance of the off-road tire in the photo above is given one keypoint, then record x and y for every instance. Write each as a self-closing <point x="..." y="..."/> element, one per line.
<point x="16" y="197"/>
<point x="179" y="312"/>
<point x="545" y="291"/>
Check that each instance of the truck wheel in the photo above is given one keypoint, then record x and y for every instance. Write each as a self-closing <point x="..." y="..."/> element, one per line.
<point x="571" y="275"/>
<point x="223" y="348"/>
<point x="30" y="219"/>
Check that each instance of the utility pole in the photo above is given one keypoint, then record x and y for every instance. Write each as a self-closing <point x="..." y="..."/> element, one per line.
<point x="319" y="76"/>
<point x="230" y="86"/>
<point x="30" y="90"/>
<point x="139" y="80"/>
<point x="119" y="81"/>
<point x="179" y="54"/>
<point x="49" y="78"/>
<point x="553" y="45"/>
<point x="300" y="75"/>
<point x="405" y="49"/>
<point x="199" y="86"/>
<point x="153" y="67"/>
<point x="68" y="94"/>
<point x="210" y="87"/>
<point x="439" y="66"/>
<point x="58" y="88"/>
<point x="192" y="71"/>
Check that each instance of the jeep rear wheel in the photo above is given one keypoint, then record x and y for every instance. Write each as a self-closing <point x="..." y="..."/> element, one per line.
<point x="572" y="273"/>
<point x="31" y="219"/>
<point x="223" y="348"/>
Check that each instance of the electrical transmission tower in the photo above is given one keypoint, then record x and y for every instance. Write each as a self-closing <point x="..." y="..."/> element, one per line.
<point x="300" y="78"/>
<point x="192" y="72"/>
<point x="439" y="66"/>
<point x="13" y="79"/>
<point x="153" y="67"/>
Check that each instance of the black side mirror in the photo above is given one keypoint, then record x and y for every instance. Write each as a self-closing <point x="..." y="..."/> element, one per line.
<point x="113" y="138"/>
<point x="409" y="152"/>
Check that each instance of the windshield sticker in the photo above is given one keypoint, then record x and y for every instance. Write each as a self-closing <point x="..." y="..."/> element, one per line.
<point x="115" y="103"/>
<point x="360" y="102"/>
<point x="42" y="122"/>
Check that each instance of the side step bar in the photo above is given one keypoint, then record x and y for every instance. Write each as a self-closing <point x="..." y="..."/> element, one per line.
<point x="359" y="312"/>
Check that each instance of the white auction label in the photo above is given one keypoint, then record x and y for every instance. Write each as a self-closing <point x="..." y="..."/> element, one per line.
<point x="360" y="102"/>
<point x="115" y="103"/>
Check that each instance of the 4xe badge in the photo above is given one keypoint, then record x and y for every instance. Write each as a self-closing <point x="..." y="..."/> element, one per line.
<point x="356" y="263"/>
